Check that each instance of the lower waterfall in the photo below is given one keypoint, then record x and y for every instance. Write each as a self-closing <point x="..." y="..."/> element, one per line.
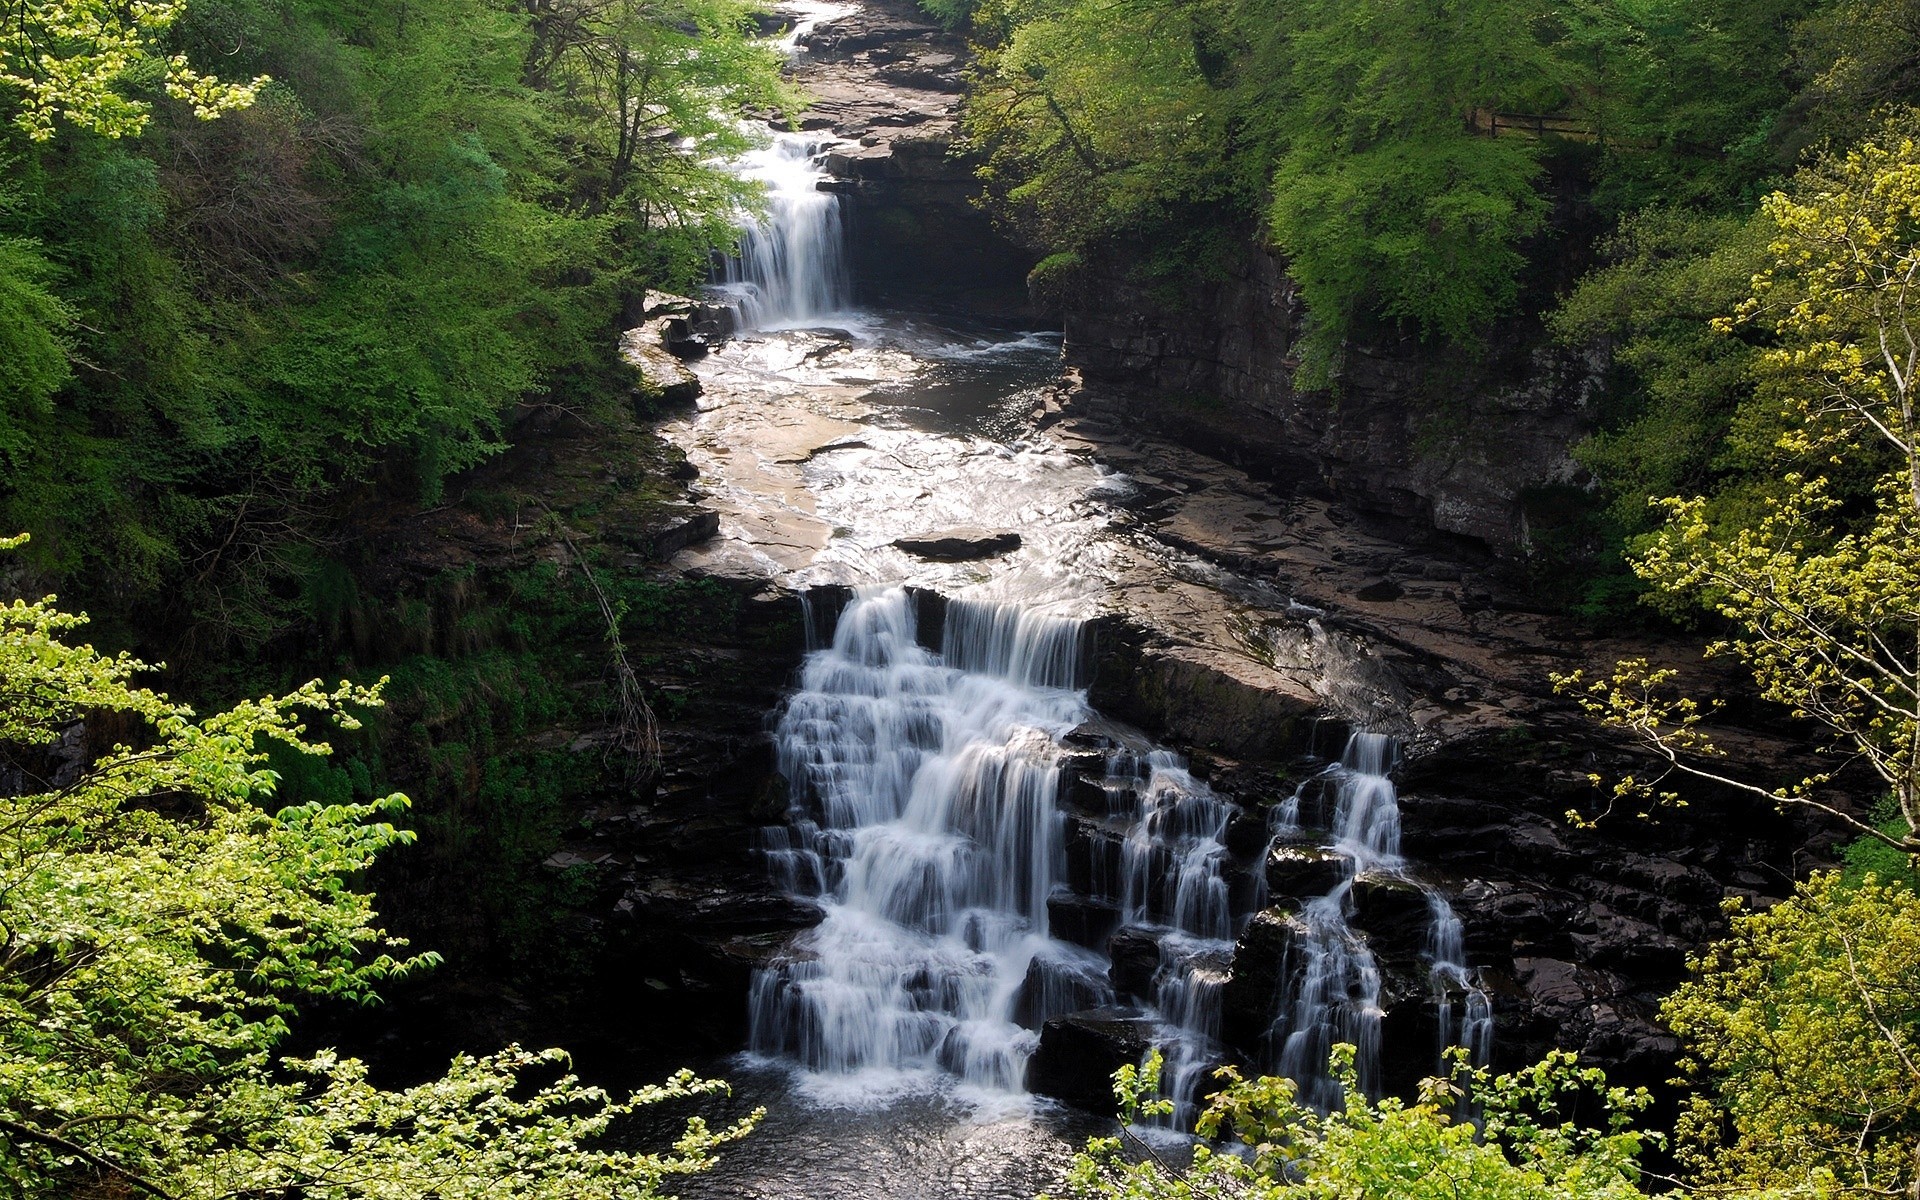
<point x="1333" y="989"/>
<point x="923" y="807"/>
<point x="929" y="818"/>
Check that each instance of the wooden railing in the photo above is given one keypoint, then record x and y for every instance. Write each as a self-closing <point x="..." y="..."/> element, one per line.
<point x="1534" y="125"/>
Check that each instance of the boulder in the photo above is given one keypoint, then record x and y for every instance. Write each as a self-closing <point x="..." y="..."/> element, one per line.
<point x="1304" y="872"/>
<point x="1395" y="915"/>
<point x="960" y="545"/>
<point x="1136" y="960"/>
<point x="1059" y="984"/>
<point x="1081" y="921"/>
<point x="1261" y="958"/>
<point x="664" y="379"/>
<point x="1079" y="1053"/>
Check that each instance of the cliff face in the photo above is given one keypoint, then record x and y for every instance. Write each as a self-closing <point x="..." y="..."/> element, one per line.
<point x="1409" y="433"/>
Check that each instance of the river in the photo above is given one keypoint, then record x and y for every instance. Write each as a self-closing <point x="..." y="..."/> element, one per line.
<point x="869" y="459"/>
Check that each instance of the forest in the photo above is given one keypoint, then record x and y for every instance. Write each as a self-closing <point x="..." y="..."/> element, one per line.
<point x="304" y="302"/>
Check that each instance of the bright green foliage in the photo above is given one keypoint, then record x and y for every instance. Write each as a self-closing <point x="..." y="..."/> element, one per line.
<point x="1822" y="596"/>
<point x="163" y="923"/>
<point x="230" y="332"/>
<point x="1348" y="124"/>
<point x="77" y="59"/>
<point x="1527" y="1147"/>
<point x="1671" y="273"/>
<point x="33" y="325"/>
<point x="1385" y="199"/>
<point x="1804" y="1034"/>
<point x="1359" y="134"/>
<point x="1102" y="120"/>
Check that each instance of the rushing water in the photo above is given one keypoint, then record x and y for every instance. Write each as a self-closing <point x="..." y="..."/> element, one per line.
<point x="929" y="816"/>
<point x="792" y="268"/>
<point x="1333" y="991"/>
<point x="923" y="790"/>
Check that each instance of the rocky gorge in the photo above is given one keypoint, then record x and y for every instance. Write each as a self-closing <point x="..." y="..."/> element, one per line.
<point x="1255" y="580"/>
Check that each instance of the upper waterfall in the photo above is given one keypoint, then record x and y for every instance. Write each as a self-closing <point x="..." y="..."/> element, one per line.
<point x="792" y="268"/>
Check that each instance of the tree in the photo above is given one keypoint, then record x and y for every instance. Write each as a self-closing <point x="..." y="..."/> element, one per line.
<point x="78" y="59"/>
<point x="1524" y="1143"/>
<point x="162" y="923"/>
<point x="1803" y="1032"/>
<point x="1821" y="590"/>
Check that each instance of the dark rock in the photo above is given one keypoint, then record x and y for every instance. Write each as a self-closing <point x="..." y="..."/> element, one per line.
<point x="1394" y="913"/>
<point x="1136" y="960"/>
<point x="1079" y="1053"/>
<point x="689" y="530"/>
<point x="1081" y="921"/>
<point x="1304" y="872"/>
<point x="1056" y="986"/>
<point x="1247" y="834"/>
<point x="960" y="545"/>
<point x="1093" y="857"/>
<point x="1251" y="998"/>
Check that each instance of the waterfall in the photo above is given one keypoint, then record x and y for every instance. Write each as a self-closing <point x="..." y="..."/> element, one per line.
<point x="1333" y="991"/>
<point x="927" y="819"/>
<point x="792" y="267"/>
<point x="923" y="804"/>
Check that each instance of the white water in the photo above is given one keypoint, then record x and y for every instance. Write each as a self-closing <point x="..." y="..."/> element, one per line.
<point x="924" y="785"/>
<point x="923" y="789"/>
<point x="792" y="269"/>
<point x="1333" y="991"/>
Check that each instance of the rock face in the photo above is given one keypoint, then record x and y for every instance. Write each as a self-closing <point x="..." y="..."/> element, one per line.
<point x="1445" y="445"/>
<point x="1083" y="1051"/>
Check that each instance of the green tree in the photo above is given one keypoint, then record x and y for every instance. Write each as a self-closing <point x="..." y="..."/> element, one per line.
<point x="1524" y="1145"/>
<point x="163" y="921"/>
<point x="1820" y="591"/>
<point x="79" y="59"/>
<point x="1803" y="1034"/>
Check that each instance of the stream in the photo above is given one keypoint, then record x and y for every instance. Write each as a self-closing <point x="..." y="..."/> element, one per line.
<point x="966" y="898"/>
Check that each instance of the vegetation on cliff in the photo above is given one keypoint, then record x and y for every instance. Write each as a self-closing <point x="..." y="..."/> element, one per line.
<point x="409" y="223"/>
<point x="165" y="922"/>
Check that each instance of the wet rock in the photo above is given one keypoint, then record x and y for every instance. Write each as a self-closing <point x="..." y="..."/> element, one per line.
<point x="1093" y="856"/>
<point x="1079" y="1053"/>
<point x="1251" y="998"/>
<point x="690" y="529"/>
<point x="1395" y="915"/>
<point x="1247" y="834"/>
<point x="1057" y="986"/>
<point x="1081" y="921"/>
<point x="664" y="379"/>
<point x="1136" y="960"/>
<point x="1303" y="872"/>
<point x="960" y="545"/>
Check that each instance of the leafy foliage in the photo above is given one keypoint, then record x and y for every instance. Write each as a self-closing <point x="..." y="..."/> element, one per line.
<point x="219" y="335"/>
<point x="163" y="924"/>
<point x="1524" y="1144"/>
<point x="78" y="59"/>
<point x="1822" y="595"/>
<point x="1803" y="1028"/>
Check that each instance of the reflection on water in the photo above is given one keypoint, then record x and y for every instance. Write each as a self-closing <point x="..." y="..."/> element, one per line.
<point x="917" y="1148"/>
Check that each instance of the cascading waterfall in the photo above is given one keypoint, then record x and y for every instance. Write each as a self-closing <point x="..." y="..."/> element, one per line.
<point x="926" y="818"/>
<point x="1334" y="984"/>
<point x="923" y="805"/>
<point x="792" y="267"/>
